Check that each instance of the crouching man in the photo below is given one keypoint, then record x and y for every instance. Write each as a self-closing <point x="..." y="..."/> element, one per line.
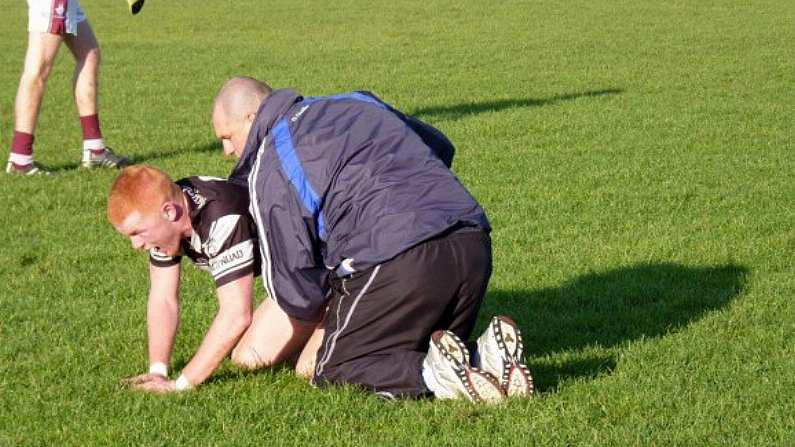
<point x="207" y="220"/>
<point x="358" y="213"/>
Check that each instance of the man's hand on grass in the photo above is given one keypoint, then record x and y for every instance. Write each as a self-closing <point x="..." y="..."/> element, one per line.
<point x="139" y="379"/>
<point x="161" y="385"/>
<point x="151" y="382"/>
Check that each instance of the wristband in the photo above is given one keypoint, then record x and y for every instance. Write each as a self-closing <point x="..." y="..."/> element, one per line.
<point x="159" y="368"/>
<point x="183" y="384"/>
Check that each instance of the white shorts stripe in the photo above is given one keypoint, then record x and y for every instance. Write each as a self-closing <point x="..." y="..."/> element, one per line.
<point x="336" y="334"/>
<point x="338" y="319"/>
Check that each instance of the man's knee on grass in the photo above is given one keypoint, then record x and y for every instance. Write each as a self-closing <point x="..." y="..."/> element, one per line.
<point x="305" y="366"/>
<point x="247" y="357"/>
<point x="251" y="356"/>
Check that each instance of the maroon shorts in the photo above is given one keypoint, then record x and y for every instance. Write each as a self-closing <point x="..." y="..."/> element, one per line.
<point x="54" y="16"/>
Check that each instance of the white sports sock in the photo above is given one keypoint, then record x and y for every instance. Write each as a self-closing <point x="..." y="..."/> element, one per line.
<point x="96" y="144"/>
<point x="19" y="159"/>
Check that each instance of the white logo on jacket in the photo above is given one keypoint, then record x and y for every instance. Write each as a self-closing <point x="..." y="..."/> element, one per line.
<point x="298" y="114"/>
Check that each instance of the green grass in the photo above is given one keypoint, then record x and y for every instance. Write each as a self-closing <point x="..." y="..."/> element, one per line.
<point x="635" y="158"/>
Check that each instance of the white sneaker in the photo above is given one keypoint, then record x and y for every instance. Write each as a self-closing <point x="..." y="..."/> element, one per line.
<point x="33" y="169"/>
<point x="107" y="159"/>
<point x="447" y="372"/>
<point x="500" y="354"/>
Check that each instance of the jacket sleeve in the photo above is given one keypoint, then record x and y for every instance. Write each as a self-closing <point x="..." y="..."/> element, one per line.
<point x="292" y="267"/>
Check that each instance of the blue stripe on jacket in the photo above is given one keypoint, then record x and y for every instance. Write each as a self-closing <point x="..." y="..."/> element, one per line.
<point x="353" y="95"/>
<point x="292" y="165"/>
<point x="295" y="172"/>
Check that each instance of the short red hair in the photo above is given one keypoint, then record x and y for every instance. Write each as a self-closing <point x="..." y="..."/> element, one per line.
<point x="140" y="188"/>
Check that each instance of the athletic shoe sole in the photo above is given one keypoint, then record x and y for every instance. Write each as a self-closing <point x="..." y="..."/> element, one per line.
<point x="478" y="385"/>
<point x="516" y="379"/>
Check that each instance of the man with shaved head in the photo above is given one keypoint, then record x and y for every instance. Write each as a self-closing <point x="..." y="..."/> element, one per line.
<point x="360" y="218"/>
<point x="235" y="109"/>
<point x="205" y="219"/>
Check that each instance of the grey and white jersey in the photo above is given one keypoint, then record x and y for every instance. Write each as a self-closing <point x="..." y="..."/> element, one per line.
<point x="224" y="239"/>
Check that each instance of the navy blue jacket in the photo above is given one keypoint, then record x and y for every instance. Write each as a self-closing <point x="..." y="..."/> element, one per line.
<point x="343" y="178"/>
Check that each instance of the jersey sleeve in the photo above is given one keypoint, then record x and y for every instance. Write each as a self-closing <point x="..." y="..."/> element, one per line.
<point x="230" y="248"/>
<point x="162" y="260"/>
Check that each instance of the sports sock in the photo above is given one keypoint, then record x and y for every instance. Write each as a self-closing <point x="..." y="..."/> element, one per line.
<point x="92" y="135"/>
<point x="21" y="150"/>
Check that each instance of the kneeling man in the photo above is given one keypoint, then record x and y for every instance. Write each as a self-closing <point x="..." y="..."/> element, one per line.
<point x="359" y="215"/>
<point x="207" y="220"/>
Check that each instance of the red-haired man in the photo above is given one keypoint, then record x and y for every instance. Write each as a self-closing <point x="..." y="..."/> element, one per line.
<point x="205" y="219"/>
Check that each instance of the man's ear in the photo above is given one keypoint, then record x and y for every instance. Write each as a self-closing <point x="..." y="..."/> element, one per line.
<point x="249" y="118"/>
<point x="171" y="211"/>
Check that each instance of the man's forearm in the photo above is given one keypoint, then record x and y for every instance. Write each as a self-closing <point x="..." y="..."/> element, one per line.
<point x="222" y="336"/>
<point x="162" y="323"/>
<point x="162" y="317"/>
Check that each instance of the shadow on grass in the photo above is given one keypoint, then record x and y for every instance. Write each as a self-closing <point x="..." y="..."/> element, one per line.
<point x="231" y="372"/>
<point x="234" y="373"/>
<point x="214" y="146"/>
<point x="150" y="156"/>
<point x="458" y="111"/>
<point x="602" y="310"/>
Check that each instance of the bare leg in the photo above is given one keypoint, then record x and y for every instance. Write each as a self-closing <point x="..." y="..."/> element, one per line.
<point x="85" y="49"/>
<point x="305" y="367"/>
<point x="272" y="338"/>
<point x="39" y="59"/>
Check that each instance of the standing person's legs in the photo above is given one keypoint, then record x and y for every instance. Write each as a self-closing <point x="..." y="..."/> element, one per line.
<point x="379" y="321"/>
<point x="85" y="84"/>
<point x="39" y="58"/>
<point x="85" y="49"/>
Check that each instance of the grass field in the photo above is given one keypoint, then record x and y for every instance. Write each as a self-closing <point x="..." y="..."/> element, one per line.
<point x="635" y="159"/>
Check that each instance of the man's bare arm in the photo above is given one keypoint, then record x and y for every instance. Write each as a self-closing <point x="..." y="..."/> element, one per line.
<point x="162" y="319"/>
<point x="232" y="320"/>
<point x="163" y="312"/>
